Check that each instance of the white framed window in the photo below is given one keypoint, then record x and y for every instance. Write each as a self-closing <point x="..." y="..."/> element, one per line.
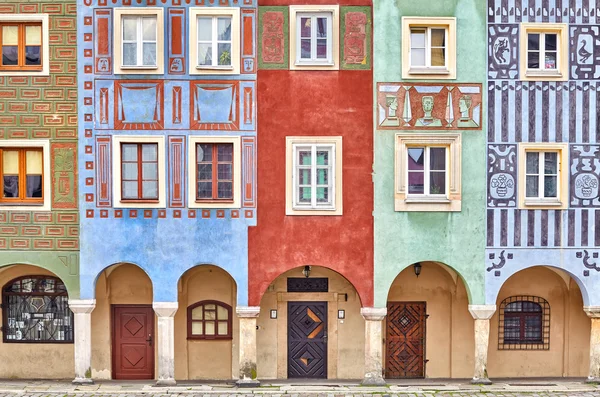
<point x="314" y="37"/>
<point x="214" y="172"/>
<point x="428" y="172"/>
<point x="139" y="171"/>
<point x="544" y="51"/>
<point x="25" y="172"/>
<point x="24" y="45"/>
<point x="313" y="174"/>
<point x="542" y="177"/>
<point x="215" y="40"/>
<point x="139" y="41"/>
<point x="429" y="47"/>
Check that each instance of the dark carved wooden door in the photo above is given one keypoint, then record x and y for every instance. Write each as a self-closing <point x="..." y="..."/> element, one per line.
<point x="405" y="341"/>
<point x="307" y="339"/>
<point x="133" y="342"/>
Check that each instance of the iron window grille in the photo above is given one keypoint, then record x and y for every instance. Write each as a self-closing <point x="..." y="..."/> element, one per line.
<point x="36" y="310"/>
<point x="524" y="323"/>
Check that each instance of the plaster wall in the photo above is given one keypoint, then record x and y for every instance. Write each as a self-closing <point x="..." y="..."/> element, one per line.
<point x="205" y="359"/>
<point x="449" y="339"/>
<point x="345" y="344"/>
<point x="454" y="238"/>
<point x="50" y="360"/>
<point x="569" y="329"/>
<point x="124" y="284"/>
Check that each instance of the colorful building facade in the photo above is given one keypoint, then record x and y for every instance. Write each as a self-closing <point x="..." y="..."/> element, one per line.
<point x="39" y="219"/>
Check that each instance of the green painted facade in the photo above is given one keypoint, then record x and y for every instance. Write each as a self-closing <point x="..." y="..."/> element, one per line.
<point x="456" y="239"/>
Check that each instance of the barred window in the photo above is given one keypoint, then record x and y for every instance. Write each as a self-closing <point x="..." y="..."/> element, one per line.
<point x="36" y="310"/>
<point x="524" y="324"/>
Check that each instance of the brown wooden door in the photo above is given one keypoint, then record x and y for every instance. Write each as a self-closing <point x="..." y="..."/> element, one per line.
<point x="307" y="339"/>
<point x="405" y="341"/>
<point x="133" y="342"/>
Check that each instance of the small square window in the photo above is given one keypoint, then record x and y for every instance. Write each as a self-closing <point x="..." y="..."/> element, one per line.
<point x="429" y="47"/>
<point x="427" y="172"/>
<point x="314" y="176"/>
<point x="314" y="37"/>
<point x="138" y="40"/>
<point x="215" y="180"/>
<point x="24" y="44"/>
<point x="215" y="43"/>
<point x="139" y="171"/>
<point x="544" y="51"/>
<point x="542" y="179"/>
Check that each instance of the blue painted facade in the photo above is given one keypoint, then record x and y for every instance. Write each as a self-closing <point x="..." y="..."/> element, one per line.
<point x="543" y="112"/>
<point x="173" y="236"/>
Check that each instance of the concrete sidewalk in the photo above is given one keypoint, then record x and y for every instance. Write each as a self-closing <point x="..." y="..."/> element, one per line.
<point x="326" y="388"/>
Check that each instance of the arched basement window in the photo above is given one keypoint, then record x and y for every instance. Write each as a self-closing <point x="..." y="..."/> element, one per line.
<point x="524" y="324"/>
<point x="209" y="320"/>
<point x="35" y="309"/>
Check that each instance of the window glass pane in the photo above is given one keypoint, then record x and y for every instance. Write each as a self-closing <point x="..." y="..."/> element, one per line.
<point x="33" y="168"/>
<point x="304" y="195"/>
<point x="438" y="57"/>
<point x="10" y="55"/>
<point x="150" y="152"/>
<point x="204" y="29"/>
<point x="129" y="54"/>
<point x="533" y="41"/>
<point x="225" y="152"/>
<point x="322" y="48"/>
<point x="533" y="60"/>
<point x="222" y="313"/>
<point x="149" y="29"/>
<point x="304" y="157"/>
<point x="437" y="182"/>
<point x="550" y="163"/>
<point x="205" y="172"/>
<point x="305" y="49"/>
<point x="416" y="158"/>
<point x="210" y="314"/>
<point x="323" y="195"/>
<point x="304" y="176"/>
<point x="437" y="158"/>
<point x="550" y="41"/>
<point x="305" y="27"/>
<point x="223" y="328"/>
<point x="129" y="151"/>
<point x="224" y="28"/>
<point x="323" y="176"/>
<point x="149" y="54"/>
<point x="417" y="57"/>
<point x="438" y="37"/>
<point x="550" y="60"/>
<point x="34" y="186"/>
<point x="514" y="307"/>
<point x="33" y="55"/>
<point x="323" y="157"/>
<point x="532" y="161"/>
<point x="130" y="28"/>
<point x="204" y="54"/>
<point x="150" y="189"/>
<point x="321" y="27"/>
<point x="10" y="35"/>
<point x="531" y="186"/>
<point x="10" y="49"/>
<point x="204" y="152"/>
<point x="224" y="172"/>
<point x="224" y="54"/>
<point x="225" y="190"/>
<point x="130" y="190"/>
<point x="197" y="328"/>
<point x="204" y="190"/>
<point x="33" y="35"/>
<point x="550" y="186"/>
<point x="10" y="168"/>
<point x="150" y="171"/>
<point x="416" y="182"/>
<point x="417" y="38"/>
<point x="129" y="171"/>
<point x="209" y="327"/>
<point x="197" y="313"/>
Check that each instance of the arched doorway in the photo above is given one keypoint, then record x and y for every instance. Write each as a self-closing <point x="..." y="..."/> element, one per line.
<point x="539" y="328"/>
<point x="429" y="330"/>
<point x="310" y="326"/>
<point x="37" y="337"/>
<point x="123" y="324"/>
<point x="206" y="325"/>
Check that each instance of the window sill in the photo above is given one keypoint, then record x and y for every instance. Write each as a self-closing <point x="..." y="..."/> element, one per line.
<point x="139" y="67"/>
<point x="322" y="64"/>
<point x="426" y="200"/>
<point x="543" y="73"/>
<point x="440" y="71"/>
<point x="139" y="201"/>
<point x="213" y="338"/>
<point x="543" y="203"/>
<point x="21" y="204"/>
<point x="198" y="67"/>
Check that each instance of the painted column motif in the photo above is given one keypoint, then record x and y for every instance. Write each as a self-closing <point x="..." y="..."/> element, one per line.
<point x="165" y="338"/>
<point x="373" y="345"/>
<point x="482" y="315"/>
<point x="82" y="309"/>
<point x="247" y="316"/>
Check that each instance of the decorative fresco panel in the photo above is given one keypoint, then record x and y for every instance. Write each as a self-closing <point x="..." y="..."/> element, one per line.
<point x="566" y="11"/>
<point x="103" y="171"/>
<point x="176" y="171"/>
<point x="248" y="41"/>
<point x="64" y="175"/>
<point x="176" y="45"/>
<point x="205" y="95"/>
<point x="503" y="51"/>
<point x="139" y="105"/>
<point x="585" y="176"/>
<point x="249" y="172"/>
<point x="584" y="45"/>
<point x="427" y="106"/>
<point x="103" y="43"/>
<point x="273" y="44"/>
<point x="356" y="37"/>
<point x="502" y="176"/>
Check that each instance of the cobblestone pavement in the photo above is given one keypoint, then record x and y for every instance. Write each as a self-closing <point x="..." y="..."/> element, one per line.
<point x="595" y="393"/>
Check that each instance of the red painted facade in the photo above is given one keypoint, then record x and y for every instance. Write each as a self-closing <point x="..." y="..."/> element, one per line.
<point x="314" y="103"/>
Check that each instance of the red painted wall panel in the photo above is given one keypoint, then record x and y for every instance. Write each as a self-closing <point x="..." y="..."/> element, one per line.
<point x="319" y="103"/>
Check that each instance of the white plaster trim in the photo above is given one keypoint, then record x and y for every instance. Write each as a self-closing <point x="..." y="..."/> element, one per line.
<point x="165" y="309"/>
<point x="562" y="63"/>
<point x="335" y="39"/>
<point x="247" y="311"/>
<point x="45" y="42"/>
<point x="373" y="313"/>
<point x="482" y="312"/>
<point x="82" y="305"/>
<point x="116" y="164"/>
<point x="237" y="171"/>
<point x="47" y="183"/>
<point x="592" y="311"/>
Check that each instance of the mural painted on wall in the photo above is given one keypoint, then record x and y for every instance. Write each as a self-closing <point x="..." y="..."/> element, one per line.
<point x="585" y="176"/>
<point x="429" y="106"/>
<point x="502" y="175"/>
<point x="503" y="51"/>
<point x="585" y="52"/>
<point x="356" y="37"/>
<point x="576" y="12"/>
<point x="273" y="41"/>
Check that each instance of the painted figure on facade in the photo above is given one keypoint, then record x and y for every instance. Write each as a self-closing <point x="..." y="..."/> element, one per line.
<point x="428" y="120"/>
<point x="464" y="106"/>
